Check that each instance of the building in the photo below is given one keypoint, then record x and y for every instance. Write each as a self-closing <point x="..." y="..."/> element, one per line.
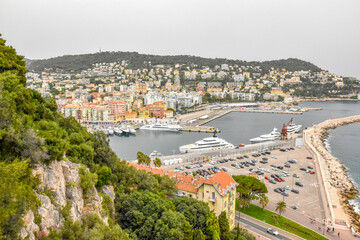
<point x="218" y="191"/>
<point x="144" y="112"/>
<point x="156" y="112"/>
<point x="161" y="104"/>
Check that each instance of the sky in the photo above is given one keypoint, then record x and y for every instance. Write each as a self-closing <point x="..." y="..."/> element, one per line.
<point x="324" y="32"/>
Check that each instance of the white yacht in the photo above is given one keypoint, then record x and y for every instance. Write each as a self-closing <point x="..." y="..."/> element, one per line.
<point x="161" y="127"/>
<point x="274" y="135"/>
<point x="118" y="131"/>
<point x="293" y="128"/>
<point x="210" y="143"/>
<point x="155" y="154"/>
<point x="111" y="131"/>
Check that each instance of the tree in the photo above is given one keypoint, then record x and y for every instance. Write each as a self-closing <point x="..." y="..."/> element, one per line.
<point x="198" y="235"/>
<point x="264" y="200"/>
<point x="212" y="226"/>
<point x="247" y="189"/>
<point x="281" y="207"/>
<point x="275" y="217"/>
<point x="104" y="174"/>
<point x="224" y="226"/>
<point x="157" y="162"/>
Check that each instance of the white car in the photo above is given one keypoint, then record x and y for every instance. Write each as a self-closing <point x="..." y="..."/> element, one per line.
<point x="274" y="157"/>
<point x="272" y="231"/>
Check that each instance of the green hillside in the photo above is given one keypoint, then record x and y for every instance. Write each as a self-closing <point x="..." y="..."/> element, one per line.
<point x="136" y="60"/>
<point x="33" y="133"/>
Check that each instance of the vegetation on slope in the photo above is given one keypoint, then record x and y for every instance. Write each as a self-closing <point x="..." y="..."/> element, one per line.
<point x="33" y="132"/>
<point x="137" y="60"/>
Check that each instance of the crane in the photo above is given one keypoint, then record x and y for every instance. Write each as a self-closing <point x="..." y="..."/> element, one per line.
<point x="284" y="130"/>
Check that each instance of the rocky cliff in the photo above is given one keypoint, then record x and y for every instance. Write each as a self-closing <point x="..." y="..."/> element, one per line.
<point x="60" y="188"/>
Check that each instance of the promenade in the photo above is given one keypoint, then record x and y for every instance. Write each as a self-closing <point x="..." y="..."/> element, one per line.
<point x="334" y="181"/>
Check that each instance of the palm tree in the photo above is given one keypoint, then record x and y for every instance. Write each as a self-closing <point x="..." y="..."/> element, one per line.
<point x="275" y="217"/>
<point x="264" y="200"/>
<point x="281" y="207"/>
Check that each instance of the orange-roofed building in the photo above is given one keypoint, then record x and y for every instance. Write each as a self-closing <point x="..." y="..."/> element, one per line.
<point x="160" y="104"/>
<point x="218" y="191"/>
<point x="130" y="115"/>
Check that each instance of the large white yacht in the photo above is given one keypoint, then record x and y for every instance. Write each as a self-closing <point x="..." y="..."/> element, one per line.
<point x="161" y="127"/>
<point x="274" y="135"/>
<point x="210" y="143"/>
<point x="292" y="128"/>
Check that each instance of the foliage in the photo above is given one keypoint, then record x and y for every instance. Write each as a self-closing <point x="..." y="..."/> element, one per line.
<point x="241" y="234"/>
<point x="224" y="226"/>
<point x="149" y="216"/>
<point x="93" y="228"/>
<point x="283" y="222"/>
<point x="212" y="226"/>
<point x="248" y="188"/>
<point x="280" y="207"/>
<point x="264" y="200"/>
<point x="136" y="60"/>
<point x="143" y="158"/>
<point x="104" y="175"/>
<point x="16" y="196"/>
<point x="157" y="162"/>
<point x="10" y="61"/>
<point x="87" y="179"/>
<point x="194" y="211"/>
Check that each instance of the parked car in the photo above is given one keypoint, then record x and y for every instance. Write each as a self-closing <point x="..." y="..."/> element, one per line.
<point x="272" y="231"/>
<point x="294" y="207"/>
<point x="295" y="175"/>
<point x="310" y="167"/>
<point x="285" y="194"/>
<point x="312" y="172"/>
<point x="267" y="178"/>
<point x="303" y="169"/>
<point x="272" y="181"/>
<point x="299" y="184"/>
<point x="295" y="191"/>
<point x="309" y="158"/>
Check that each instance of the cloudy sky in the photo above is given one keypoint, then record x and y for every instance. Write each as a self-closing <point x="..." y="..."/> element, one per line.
<point x="324" y="32"/>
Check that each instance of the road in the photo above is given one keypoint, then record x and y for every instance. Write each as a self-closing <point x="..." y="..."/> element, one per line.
<point x="259" y="229"/>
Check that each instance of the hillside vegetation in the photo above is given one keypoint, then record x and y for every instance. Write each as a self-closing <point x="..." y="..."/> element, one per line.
<point x="136" y="60"/>
<point x="33" y="134"/>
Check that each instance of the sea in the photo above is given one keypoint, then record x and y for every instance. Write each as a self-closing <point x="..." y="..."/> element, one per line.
<point x="239" y="127"/>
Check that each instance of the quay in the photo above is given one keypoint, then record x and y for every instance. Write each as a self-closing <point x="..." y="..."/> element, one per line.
<point x="205" y="156"/>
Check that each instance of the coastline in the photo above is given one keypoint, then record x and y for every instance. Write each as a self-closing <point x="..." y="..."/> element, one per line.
<point x="327" y="99"/>
<point x="337" y="182"/>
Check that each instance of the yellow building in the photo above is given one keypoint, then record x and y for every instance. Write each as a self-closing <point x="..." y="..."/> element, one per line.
<point x="168" y="114"/>
<point x="218" y="191"/>
<point x="144" y="112"/>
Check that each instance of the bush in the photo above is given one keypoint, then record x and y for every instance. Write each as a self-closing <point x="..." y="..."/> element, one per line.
<point x="87" y="179"/>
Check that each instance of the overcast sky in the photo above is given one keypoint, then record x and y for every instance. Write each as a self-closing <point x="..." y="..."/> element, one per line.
<point x="324" y="32"/>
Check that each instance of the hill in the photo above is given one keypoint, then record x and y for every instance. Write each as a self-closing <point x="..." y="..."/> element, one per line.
<point x="58" y="181"/>
<point x="136" y="60"/>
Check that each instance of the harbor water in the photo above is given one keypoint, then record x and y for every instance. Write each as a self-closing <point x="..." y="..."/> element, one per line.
<point x="239" y="127"/>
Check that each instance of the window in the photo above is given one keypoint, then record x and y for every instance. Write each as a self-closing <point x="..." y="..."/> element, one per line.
<point x="213" y="204"/>
<point x="213" y="195"/>
<point x="190" y="195"/>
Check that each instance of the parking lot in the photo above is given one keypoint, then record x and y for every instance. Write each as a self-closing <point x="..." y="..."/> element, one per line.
<point x="290" y="172"/>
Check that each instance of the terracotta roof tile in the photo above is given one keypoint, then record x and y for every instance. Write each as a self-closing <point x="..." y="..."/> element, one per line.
<point x="222" y="181"/>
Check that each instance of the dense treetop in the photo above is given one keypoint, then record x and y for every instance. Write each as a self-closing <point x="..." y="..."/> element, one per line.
<point x="136" y="60"/>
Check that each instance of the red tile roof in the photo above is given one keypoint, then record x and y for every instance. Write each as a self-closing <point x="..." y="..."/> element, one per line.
<point x="222" y="181"/>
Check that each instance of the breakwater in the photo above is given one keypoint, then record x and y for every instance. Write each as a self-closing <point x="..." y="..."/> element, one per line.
<point x="335" y="172"/>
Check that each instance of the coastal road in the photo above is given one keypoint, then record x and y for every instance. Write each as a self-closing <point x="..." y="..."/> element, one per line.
<point x="260" y="228"/>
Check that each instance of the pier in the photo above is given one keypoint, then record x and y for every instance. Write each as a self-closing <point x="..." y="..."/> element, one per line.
<point x="205" y="156"/>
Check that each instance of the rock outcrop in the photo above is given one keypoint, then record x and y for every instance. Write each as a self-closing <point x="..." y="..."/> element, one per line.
<point x="60" y="185"/>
